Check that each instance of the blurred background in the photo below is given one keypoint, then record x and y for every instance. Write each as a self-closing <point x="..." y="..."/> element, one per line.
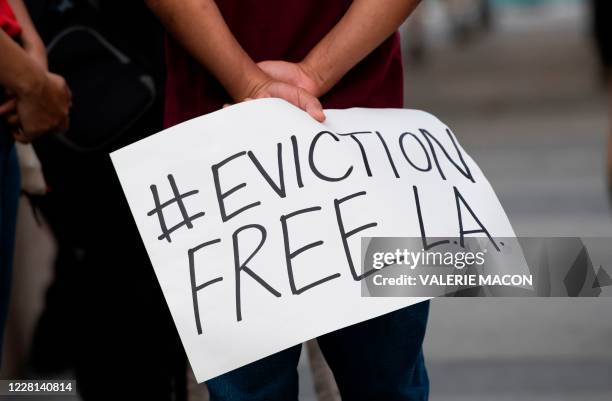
<point x="526" y="98"/>
<point x="521" y="85"/>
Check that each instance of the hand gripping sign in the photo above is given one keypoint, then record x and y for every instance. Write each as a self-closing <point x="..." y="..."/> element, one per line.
<point x="252" y="216"/>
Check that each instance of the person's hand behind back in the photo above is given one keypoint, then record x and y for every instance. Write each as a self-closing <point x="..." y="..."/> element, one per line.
<point x="291" y="93"/>
<point x="298" y="74"/>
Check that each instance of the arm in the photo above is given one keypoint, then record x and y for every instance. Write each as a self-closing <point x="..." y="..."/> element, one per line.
<point x="32" y="43"/>
<point x="41" y="99"/>
<point x="199" y="27"/>
<point x="18" y="72"/>
<point x="365" y="25"/>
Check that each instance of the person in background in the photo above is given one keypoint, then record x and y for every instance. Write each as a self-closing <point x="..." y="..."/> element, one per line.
<point x="332" y="53"/>
<point x="33" y="102"/>
<point x="104" y="320"/>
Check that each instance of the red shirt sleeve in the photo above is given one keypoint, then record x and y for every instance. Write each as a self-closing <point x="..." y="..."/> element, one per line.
<point x="8" y="22"/>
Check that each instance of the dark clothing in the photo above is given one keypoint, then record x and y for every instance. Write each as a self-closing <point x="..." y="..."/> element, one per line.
<point x="282" y="30"/>
<point x="9" y="187"/>
<point x="602" y="29"/>
<point x="9" y="197"/>
<point x="105" y="314"/>
<point x="380" y="359"/>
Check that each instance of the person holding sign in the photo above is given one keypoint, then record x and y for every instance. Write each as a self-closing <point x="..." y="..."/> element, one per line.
<point x="313" y="54"/>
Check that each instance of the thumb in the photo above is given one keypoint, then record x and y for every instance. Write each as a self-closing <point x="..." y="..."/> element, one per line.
<point x="311" y="105"/>
<point x="8" y="107"/>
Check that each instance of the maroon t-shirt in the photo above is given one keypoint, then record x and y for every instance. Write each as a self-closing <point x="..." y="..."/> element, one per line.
<point x="282" y="30"/>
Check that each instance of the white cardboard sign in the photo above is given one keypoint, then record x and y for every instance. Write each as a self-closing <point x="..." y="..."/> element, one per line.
<point x="252" y="217"/>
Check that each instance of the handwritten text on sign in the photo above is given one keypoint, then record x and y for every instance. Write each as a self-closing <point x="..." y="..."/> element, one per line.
<point x="252" y="217"/>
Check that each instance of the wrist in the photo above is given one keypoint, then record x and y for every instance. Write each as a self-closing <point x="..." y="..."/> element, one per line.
<point x="250" y="85"/>
<point x="30" y="80"/>
<point x="36" y="49"/>
<point x="316" y="80"/>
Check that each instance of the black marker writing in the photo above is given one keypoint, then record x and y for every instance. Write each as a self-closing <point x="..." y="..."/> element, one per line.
<point x="197" y="287"/>
<point x="241" y="266"/>
<point x="222" y="195"/>
<point x="178" y="201"/>
<point x="290" y="255"/>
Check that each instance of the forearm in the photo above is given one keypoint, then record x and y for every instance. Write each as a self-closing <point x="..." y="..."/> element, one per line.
<point x="366" y="24"/>
<point x="29" y="36"/>
<point x="199" y="27"/>
<point x="18" y="71"/>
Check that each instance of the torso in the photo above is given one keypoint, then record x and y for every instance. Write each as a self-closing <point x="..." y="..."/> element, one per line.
<point x="283" y="30"/>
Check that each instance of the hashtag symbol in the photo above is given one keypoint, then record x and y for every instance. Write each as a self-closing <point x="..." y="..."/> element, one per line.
<point x="178" y="201"/>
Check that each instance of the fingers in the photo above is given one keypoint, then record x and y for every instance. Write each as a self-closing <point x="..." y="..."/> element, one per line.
<point x="284" y="71"/>
<point x="8" y="110"/>
<point x="63" y="126"/>
<point x="20" y="136"/>
<point x="246" y="99"/>
<point x="13" y="120"/>
<point x="8" y="107"/>
<point x="272" y="69"/>
<point x="294" y="95"/>
<point x="310" y="105"/>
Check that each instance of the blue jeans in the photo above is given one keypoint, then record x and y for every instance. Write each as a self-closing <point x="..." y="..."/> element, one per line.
<point x="380" y="359"/>
<point x="9" y="196"/>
